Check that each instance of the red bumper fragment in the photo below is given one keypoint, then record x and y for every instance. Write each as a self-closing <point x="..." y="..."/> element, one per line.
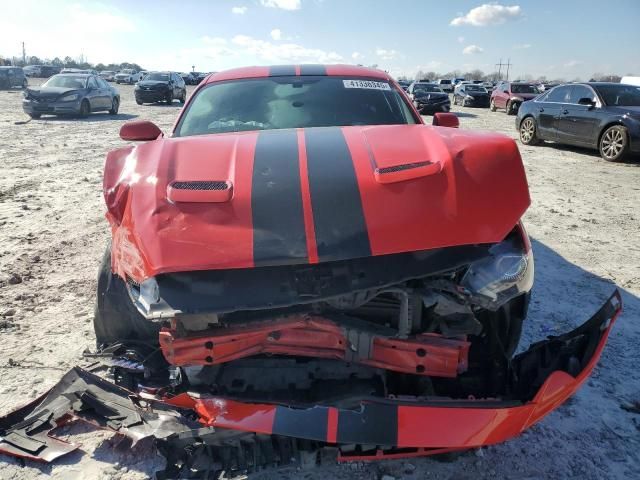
<point x="426" y="354"/>
<point x="441" y="424"/>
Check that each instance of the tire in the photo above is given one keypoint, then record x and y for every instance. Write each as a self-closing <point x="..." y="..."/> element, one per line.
<point x="116" y="319"/>
<point x="529" y="131"/>
<point x="138" y="102"/>
<point x="118" y="82"/>
<point x="509" y="108"/>
<point x="85" y="109"/>
<point x="614" y="143"/>
<point x="34" y="115"/>
<point x="115" y="105"/>
<point x="492" y="105"/>
<point x="183" y="98"/>
<point x="25" y="84"/>
<point x="169" y="98"/>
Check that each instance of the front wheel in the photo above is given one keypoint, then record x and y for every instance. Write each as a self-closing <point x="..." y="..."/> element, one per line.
<point x="115" y="105"/>
<point x="183" y="98"/>
<point x="492" y="106"/>
<point x="169" y="98"/>
<point x="529" y="132"/>
<point x="510" y="109"/>
<point x="34" y="115"/>
<point x="614" y="144"/>
<point x="116" y="319"/>
<point x="85" y="108"/>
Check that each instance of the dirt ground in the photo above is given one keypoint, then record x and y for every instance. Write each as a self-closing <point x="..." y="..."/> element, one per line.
<point x="584" y="221"/>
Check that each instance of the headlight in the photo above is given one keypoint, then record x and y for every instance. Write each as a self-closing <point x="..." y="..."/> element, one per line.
<point x="468" y="97"/>
<point x="506" y="273"/>
<point x="146" y="294"/>
<point x="519" y="99"/>
<point x="70" y="98"/>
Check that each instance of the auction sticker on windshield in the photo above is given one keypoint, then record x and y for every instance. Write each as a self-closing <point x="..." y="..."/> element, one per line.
<point x="366" y="84"/>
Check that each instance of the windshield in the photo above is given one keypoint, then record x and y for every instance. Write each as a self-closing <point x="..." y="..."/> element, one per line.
<point x="445" y="82"/>
<point x="425" y="87"/>
<point x="126" y="71"/>
<point x="620" y="95"/>
<point x="475" y="88"/>
<point x="523" y="88"/>
<point x="66" y="81"/>
<point x="292" y="102"/>
<point x="160" y="77"/>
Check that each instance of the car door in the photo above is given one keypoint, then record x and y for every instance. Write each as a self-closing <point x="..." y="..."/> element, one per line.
<point x="547" y="111"/>
<point x="95" y="97"/>
<point x="577" y="123"/>
<point x="105" y="92"/>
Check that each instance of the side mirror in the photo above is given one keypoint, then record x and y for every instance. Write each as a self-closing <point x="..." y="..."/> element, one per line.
<point x="446" y="120"/>
<point x="586" y="101"/>
<point x="139" y="131"/>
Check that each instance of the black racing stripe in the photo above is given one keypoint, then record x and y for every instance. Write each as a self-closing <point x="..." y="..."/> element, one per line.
<point x="341" y="231"/>
<point x="377" y="423"/>
<point x="282" y="70"/>
<point x="276" y="200"/>
<point x="310" y="424"/>
<point x="313" y="70"/>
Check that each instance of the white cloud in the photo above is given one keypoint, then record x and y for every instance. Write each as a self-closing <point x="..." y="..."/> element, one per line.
<point x="356" y="55"/>
<point x="283" y="4"/>
<point x="276" y="34"/>
<point x="239" y="10"/>
<point x="522" y="46"/>
<point x="573" y="63"/>
<point x="460" y="39"/>
<point x="472" y="49"/>
<point x="385" y="54"/>
<point x="488" y="14"/>
<point x="282" y="52"/>
<point x="97" y="21"/>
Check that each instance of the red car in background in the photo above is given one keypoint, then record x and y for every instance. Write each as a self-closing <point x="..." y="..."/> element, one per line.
<point x="510" y="95"/>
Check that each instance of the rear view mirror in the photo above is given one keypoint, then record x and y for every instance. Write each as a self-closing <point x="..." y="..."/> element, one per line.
<point x="446" y="120"/>
<point x="139" y="131"/>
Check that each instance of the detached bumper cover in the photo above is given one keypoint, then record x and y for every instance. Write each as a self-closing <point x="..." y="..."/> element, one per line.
<point x="543" y="377"/>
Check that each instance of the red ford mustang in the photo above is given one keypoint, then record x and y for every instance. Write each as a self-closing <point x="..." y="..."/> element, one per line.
<point x="316" y="262"/>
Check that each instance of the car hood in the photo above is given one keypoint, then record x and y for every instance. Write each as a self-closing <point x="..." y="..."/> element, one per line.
<point x="49" y="93"/>
<point x="249" y="199"/>
<point x="431" y="96"/>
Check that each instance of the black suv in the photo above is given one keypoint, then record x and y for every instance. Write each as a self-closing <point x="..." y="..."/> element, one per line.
<point x="159" y="87"/>
<point x="11" y="77"/>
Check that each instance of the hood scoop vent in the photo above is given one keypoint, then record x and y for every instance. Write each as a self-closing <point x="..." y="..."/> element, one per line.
<point x="200" y="191"/>
<point x="405" y="171"/>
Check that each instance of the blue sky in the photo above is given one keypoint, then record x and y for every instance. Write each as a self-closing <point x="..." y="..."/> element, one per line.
<point x="558" y="39"/>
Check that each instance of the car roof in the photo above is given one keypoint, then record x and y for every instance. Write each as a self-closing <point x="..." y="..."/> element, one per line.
<point x="298" y="70"/>
<point x="76" y="74"/>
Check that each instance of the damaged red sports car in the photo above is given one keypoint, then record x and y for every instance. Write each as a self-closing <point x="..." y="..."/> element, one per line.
<point x="303" y="258"/>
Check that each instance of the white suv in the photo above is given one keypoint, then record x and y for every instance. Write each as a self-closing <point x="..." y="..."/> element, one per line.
<point x="128" y="75"/>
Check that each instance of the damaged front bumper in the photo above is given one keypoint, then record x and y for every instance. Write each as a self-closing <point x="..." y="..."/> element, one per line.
<point x="541" y="379"/>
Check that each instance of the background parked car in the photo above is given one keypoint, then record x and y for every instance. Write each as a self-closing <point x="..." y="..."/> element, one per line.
<point x="445" y="84"/>
<point x="12" y="77"/>
<point x="31" y="70"/>
<point x="631" y="81"/>
<point x="404" y="84"/>
<point x="128" y="75"/>
<point x="510" y="95"/>
<point x="160" y="86"/>
<point x="428" y="98"/>
<point x="71" y="93"/>
<point x="471" y="95"/>
<point x="108" y="75"/>
<point x="605" y="116"/>
<point x="89" y="71"/>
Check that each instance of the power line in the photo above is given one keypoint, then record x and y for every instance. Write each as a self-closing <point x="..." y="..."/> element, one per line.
<point x="500" y="65"/>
